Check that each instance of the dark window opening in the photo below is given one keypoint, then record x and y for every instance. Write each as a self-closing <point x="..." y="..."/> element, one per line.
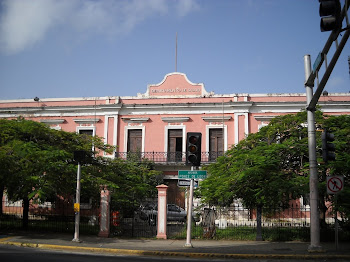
<point x="134" y="146"/>
<point x="216" y="143"/>
<point x="88" y="132"/>
<point x="175" y="145"/>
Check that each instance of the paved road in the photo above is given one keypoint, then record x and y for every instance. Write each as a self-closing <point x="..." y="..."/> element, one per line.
<point x="25" y="254"/>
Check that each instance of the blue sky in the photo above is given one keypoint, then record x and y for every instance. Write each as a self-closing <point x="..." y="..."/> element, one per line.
<point x="93" y="48"/>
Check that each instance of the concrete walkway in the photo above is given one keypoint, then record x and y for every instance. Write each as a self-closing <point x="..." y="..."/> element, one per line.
<point x="176" y="248"/>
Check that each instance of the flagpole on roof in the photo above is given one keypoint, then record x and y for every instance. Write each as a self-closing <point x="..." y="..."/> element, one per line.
<point x="176" y="54"/>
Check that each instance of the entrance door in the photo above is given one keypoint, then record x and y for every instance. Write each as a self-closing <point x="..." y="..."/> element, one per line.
<point x="134" y="143"/>
<point x="216" y="143"/>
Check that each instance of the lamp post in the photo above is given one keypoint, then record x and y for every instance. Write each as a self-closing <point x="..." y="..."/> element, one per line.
<point x="314" y="212"/>
<point x="77" y="206"/>
<point x="79" y="156"/>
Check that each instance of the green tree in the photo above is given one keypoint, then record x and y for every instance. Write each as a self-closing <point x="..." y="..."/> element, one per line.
<point x="37" y="161"/>
<point x="269" y="168"/>
<point x="265" y="170"/>
<point x="340" y="127"/>
<point x="131" y="182"/>
<point x="265" y="165"/>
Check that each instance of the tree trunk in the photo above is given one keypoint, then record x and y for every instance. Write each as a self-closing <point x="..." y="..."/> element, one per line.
<point x="323" y="209"/>
<point x="258" y="223"/>
<point x="25" y="212"/>
<point x="2" y="188"/>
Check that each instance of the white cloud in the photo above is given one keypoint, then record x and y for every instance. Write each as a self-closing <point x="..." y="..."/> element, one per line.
<point x="130" y="13"/>
<point x="185" y="6"/>
<point x="24" y="23"/>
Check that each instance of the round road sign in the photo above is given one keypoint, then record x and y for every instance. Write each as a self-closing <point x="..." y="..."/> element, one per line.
<point x="335" y="184"/>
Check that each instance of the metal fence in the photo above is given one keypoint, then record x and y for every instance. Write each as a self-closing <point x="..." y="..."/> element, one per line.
<point x="239" y="223"/>
<point x="234" y="223"/>
<point x="167" y="157"/>
<point x="58" y="217"/>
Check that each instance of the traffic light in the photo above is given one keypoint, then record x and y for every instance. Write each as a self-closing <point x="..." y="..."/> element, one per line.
<point x="80" y="155"/>
<point x="330" y="13"/>
<point x="328" y="148"/>
<point x="193" y="146"/>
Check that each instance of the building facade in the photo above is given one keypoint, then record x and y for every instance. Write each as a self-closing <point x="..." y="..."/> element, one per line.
<point x="154" y="124"/>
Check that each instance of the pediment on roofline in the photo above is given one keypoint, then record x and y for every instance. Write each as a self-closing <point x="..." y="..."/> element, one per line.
<point x="175" y="85"/>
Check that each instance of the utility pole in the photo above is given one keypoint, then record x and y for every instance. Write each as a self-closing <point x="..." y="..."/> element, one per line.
<point x="77" y="206"/>
<point x="79" y="156"/>
<point x="189" y="214"/>
<point x="193" y="158"/>
<point x="314" y="213"/>
<point x="332" y="19"/>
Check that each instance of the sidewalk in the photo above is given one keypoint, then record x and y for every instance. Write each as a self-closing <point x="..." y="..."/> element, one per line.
<point x="173" y="248"/>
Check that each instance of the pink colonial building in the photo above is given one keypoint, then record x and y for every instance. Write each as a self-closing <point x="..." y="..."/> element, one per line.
<point x="154" y="124"/>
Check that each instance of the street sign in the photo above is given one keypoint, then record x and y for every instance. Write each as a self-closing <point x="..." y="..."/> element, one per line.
<point x="186" y="183"/>
<point x="335" y="184"/>
<point x="192" y="174"/>
<point x="318" y="62"/>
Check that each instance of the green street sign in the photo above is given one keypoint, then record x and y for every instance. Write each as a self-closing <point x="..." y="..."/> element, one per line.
<point x="192" y="174"/>
<point x="318" y="62"/>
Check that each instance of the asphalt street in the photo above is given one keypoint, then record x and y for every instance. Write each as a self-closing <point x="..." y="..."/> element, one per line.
<point x="27" y="254"/>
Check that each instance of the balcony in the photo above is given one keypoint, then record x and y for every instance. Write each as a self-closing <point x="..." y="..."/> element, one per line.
<point x="167" y="158"/>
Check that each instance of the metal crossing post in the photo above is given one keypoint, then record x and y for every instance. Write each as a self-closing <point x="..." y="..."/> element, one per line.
<point x="189" y="215"/>
<point x="77" y="206"/>
<point x="312" y="100"/>
<point x="314" y="212"/>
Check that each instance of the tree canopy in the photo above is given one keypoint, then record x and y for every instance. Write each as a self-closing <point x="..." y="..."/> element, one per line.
<point x="265" y="169"/>
<point x="340" y="127"/>
<point x="37" y="162"/>
<point x="270" y="167"/>
<point x="131" y="182"/>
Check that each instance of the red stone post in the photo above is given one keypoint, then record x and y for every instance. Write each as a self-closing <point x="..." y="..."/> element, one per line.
<point x="162" y="211"/>
<point x="104" y="213"/>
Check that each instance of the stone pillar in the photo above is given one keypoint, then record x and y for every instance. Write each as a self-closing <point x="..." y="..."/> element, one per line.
<point x="162" y="211"/>
<point x="104" y="213"/>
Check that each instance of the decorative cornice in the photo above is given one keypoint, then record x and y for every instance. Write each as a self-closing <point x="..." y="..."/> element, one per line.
<point x="216" y="118"/>
<point x="63" y="99"/>
<point x="52" y="121"/>
<point x="264" y="118"/>
<point x="135" y="119"/>
<point x="86" y="120"/>
<point x="175" y="119"/>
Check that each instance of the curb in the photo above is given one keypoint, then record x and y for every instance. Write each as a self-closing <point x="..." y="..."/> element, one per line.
<point x="173" y="253"/>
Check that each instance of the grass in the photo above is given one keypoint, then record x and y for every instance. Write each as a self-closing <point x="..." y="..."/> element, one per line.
<point x="268" y="233"/>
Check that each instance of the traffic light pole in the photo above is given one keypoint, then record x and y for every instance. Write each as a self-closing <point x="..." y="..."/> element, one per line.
<point x="312" y="100"/>
<point x="314" y="212"/>
<point x="189" y="214"/>
<point x="312" y="103"/>
<point x="310" y="79"/>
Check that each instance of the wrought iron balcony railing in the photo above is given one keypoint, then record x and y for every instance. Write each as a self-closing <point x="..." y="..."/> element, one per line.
<point x="167" y="157"/>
